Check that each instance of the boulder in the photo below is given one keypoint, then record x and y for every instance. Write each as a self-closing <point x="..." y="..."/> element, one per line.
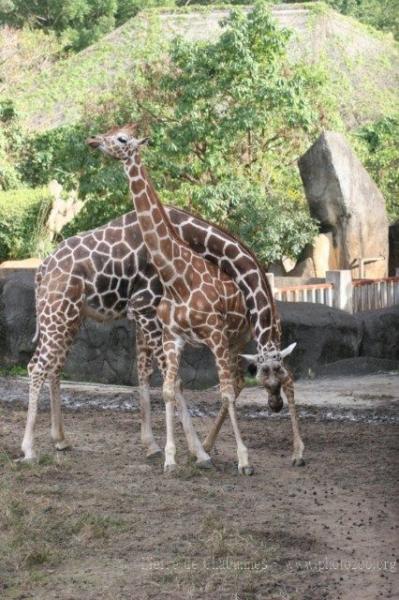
<point x="101" y="352"/>
<point x="304" y="268"/>
<point x="347" y="203"/>
<point x="323" y="335"/>
<point x="316" y="259"/>
<point x="106" y="353"/>
<point x="17" y="316"/>
<point x="380" y="332"/>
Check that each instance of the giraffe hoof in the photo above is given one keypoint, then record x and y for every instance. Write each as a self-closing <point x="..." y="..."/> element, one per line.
<point x="169" y="469"/>
<point x="204" y="464"/>
<point x="246" y="470"/>
<point x="62" y="446"/>
<point x="27" y="459"/>
<point x="298" y="462"/>
<point x="154" y="454"/>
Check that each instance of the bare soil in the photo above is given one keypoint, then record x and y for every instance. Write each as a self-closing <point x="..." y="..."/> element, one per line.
<point x="102" y="522"/>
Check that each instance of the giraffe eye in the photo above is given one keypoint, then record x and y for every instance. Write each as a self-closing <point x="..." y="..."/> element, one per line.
<point x="122" y="139"/>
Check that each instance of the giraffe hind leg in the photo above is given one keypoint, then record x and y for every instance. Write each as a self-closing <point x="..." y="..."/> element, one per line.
<point x="57" y="426"/>
<point x="144" y="371"/>
<point x="57" y="331"/>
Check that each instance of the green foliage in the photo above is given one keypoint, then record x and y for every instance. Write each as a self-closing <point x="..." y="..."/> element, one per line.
<point x="227" y="119"/>
<point x="129" y="8"/>
<point x="381" y="14"/>
<point x="382" y="159"/>
<point x="232" y="116"/>
<point x="62" y="154"/>
<point x="272" y="225"/>
<point x="78" y="22"/>
<point x="9" y="146"/>
<point x="22" y="216"/>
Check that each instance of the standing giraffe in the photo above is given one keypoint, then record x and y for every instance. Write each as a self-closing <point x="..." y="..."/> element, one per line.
<point x="201" y="304"/>
<point x="94" y="274"/>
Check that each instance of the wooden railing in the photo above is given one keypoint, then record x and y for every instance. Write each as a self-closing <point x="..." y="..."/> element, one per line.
<point x="318" y="293"/>
<point x="340" y="291"/>
<point x="370" y="294"/>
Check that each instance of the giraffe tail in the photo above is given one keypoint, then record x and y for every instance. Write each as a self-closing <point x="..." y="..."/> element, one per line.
<point x="38" y="280"/>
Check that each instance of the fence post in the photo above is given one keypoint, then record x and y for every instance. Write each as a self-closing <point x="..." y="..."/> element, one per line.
<point x="342" y="289"/>
<point x="270" y="277"/>
<point x="397" y="272"/>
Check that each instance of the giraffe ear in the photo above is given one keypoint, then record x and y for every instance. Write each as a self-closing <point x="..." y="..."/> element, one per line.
<point x="250" y="358"/>
<point x="143" y="141"/>
<point x="287" y="350"/>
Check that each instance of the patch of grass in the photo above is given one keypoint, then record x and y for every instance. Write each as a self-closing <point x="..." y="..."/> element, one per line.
<point x="46" y="459"/>
<point x="94" y="527"/>
<point x="13" y="371"/>
<point x="39" y="555"/>
<point x="5" y="458"/>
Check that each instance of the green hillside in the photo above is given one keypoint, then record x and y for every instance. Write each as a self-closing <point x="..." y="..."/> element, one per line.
<point x="363" y="63"/>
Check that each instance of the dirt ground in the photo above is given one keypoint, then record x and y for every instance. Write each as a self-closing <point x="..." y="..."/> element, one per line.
<point x="102" y="522"/>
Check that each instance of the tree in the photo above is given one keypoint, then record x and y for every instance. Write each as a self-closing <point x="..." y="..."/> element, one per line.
<point x="228" y="121"/>
<point x="382" y="159"/>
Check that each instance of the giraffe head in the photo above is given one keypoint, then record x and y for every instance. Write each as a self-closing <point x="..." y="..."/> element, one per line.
<point x="119" y="142"/>
<point x="271" y="372"/>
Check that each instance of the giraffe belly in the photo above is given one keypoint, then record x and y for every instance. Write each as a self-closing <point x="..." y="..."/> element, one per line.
<point x="101" y="314"/>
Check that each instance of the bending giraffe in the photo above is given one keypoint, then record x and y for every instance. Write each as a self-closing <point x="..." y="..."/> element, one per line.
<point x="94" y="274"/>
<point x="201" y="304"/>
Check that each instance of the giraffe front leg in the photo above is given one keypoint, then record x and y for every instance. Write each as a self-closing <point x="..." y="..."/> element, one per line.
<point x="193" y="442"/>
<point x="212" y="435"/>
<point x="228" y="392"/>
<point x="239" y="384"/>
<point x="297" y="457"/>
<point x="173" y="347"/>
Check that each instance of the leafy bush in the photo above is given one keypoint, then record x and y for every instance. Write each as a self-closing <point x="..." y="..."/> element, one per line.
<point x="78" y="22"/>
<point x="23" y="213"/>
<point x="382" y="159"/>
<point x="272" y="226"/>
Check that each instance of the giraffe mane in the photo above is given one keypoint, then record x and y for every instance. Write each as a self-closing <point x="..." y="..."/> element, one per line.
<point x="235" y="239"/>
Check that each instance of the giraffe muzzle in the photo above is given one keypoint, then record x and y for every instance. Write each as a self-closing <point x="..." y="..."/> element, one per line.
<point x="93" y="142"/>
<point x="275" y="402"/>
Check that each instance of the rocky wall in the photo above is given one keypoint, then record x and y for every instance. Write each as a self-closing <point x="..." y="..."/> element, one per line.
<point x="106" y="352"/>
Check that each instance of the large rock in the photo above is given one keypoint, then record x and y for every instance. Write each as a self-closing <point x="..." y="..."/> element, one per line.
<point x="106" y="352"/>
<point x="345" y="200"/>
<point x="380" y="332"/>
<point x="323" y="335"/>
<point x="102" y="352"/>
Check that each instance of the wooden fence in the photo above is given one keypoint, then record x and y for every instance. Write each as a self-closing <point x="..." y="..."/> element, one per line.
<point x="370" y="294"/>
<point x="340" y="291"/>
<point x="319" y="293"/>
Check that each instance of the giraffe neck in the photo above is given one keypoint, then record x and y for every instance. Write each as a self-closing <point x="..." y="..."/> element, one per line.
<point x="160" y="238"/>
<point x="263" y="316"/>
